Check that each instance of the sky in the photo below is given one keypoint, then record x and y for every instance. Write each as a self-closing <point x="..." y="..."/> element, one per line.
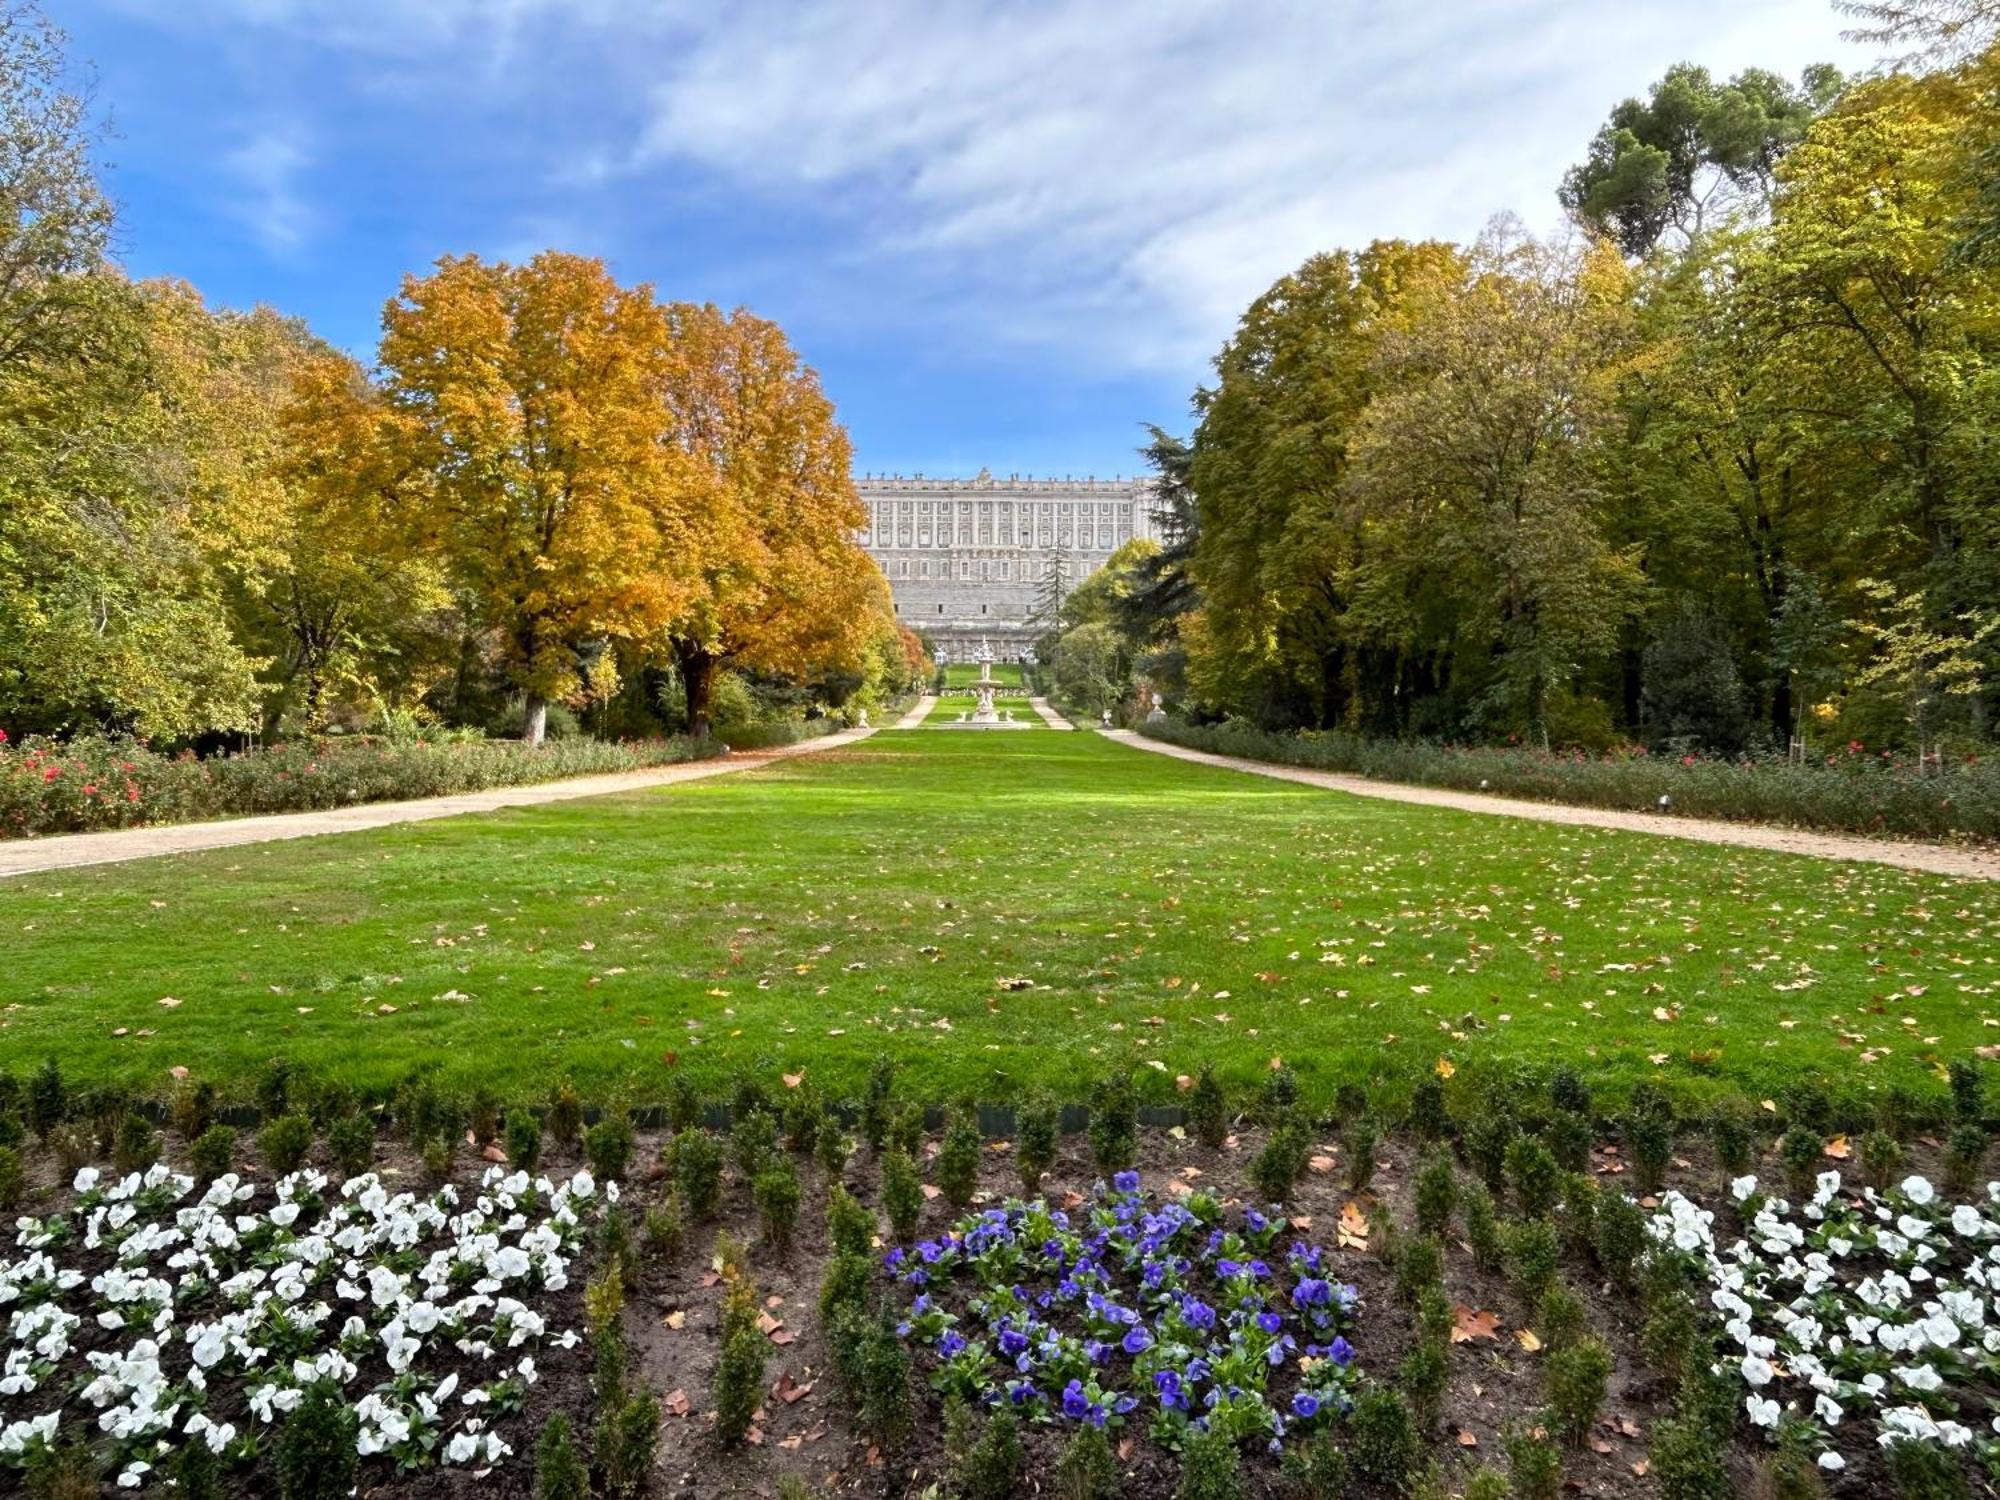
<point x="1007" y="234"/>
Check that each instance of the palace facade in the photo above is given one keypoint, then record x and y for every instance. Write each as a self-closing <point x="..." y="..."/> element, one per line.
<point x="966" y="558"/>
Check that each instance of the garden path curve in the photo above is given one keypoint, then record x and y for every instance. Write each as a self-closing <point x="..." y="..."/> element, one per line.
<point x="1049" y="716"/>
<point x="921" y="711"/>
<point x="1935" y="859"/>
<point x="66" y="851"/>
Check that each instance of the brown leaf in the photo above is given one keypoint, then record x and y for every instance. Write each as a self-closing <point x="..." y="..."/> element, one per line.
<point x="676" y="1320"/>
<point x="1321" y="1164"/>
<point x="768" y="1324"/>
<point x="1467" y="1438"/>
<point x="676" y="1405"/>
<point x="1641" y="1467"/>
<point x="1527" y="1340"/>
<point x="1353" y="1231"/>
<point x="1837" y="1148"/>
<point x="494" y="1151"/>
<point x="1467" y="1325"/>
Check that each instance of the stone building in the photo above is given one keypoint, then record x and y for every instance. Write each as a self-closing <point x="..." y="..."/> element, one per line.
<point x="966" y="558"/>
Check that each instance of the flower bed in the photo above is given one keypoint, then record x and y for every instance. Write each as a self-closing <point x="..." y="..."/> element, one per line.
<point x="154" y="1314"/>
<point x="1850" y="792"/>
<point x="1856" y="1317"/>
<point x="85" y="785"/>
<point x="1176" y="1314"/>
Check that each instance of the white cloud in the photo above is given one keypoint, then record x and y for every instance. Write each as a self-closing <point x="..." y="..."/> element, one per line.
<point x="266" y="168"/>
<point x="1110" y="180"/>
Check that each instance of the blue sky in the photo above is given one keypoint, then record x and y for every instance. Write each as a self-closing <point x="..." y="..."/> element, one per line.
<point x="1006" y="234"/>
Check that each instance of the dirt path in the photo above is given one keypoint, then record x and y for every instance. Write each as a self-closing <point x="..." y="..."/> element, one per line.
<point x="1049" y="716"/>
<point x="1935" y="859"/>
<point x="914" y="719"/>
<point x="66" y="851"/>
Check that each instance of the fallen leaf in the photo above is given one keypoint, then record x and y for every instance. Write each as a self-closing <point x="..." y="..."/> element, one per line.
<point x="1353" y="1231"/>
<point x="1468" y="1325"/>
<point x="676" y="1320"/>
<point x="1525" y="1337"/>
<point x="1837" y="1148"/>
<point x="1444" y="1068"/>
<point x="676" y="1405"/>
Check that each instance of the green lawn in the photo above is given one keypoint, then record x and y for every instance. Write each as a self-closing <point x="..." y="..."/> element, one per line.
<point x="835" y="906"/>
<point x="965" y="674"/>
<point x="949" y="708"/>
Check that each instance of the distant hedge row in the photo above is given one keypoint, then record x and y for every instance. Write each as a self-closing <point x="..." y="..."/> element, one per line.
<point x="86" y="784"/>
<point x="1853" y="791"/>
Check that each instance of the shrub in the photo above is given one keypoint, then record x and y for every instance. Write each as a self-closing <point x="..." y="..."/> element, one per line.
<point x="1482" y="1228"/>
<point x="902" y="1194"/>
<point x="316" y="1454"/>
<point x="1435" y="1315"/>
<point x="663" y="1230"/>
<point x="906" y="1130"/>
<point x="1560" y="1318"/>
<point x="1114" y="1123"/>
<point x="48" y="1098"/>
<point x="1649" y="1139"/>
<point x="1568" y="1092"/>
<point x="439" y="1153"/>
<point x="849" y="1224"/>
<point x="1576" y="1375"/>
<point x="804" y="1117"/>
<point x="991" y="1469"/>
<point x="684" y="1103"/>
<point x="1921" y="1471"/>
<point x="1427" y="1112"/>
<point x="1621" y="1235"/>
<point x="1968" y="1091"/>
<point x="13" y="1178"/>
<point x="698" y="1173"/>
<point x="876" y="1105"/>
<point x="1729" y="1131"/>
<point x="1881" y="1159"/>
<point x="1964" y="1152"/>
<point x="137" y="1146"/>
<point x="196" y="1473"/>
<point x="1208" y="1112"/>
<point x="1581" y="1196"/>
<point x="958" y="1158"/>
<point x="874" y="1368"/>
<point x="1382" y="1441"/>
<point x="1282" y="1162"/>
<point x="191" y="1107"/>
<point x="833" y="1148"/>
<point x="1534" y="1254"/>
<point x="1037" y="1126"/>
<point x="1419" y="1268"/>
<point x="1350" y="1100"/>
<point x="1567" y="1136"/>
<point x="351" y="1141"/>
<point x="1360" y="1140"/>
<point x="627" y="1434"/>
<point x="1436" y="1195"/>
<point x="1281" y="1095"/>
<point x="1486" y="1484"/>
<point x="1087" y="1470"/>
<point x="562" y="1121"/>
<point x="560" y="1473"/>
<point x="213" y="1153"/>
<point x="1486" y="1141"/>
<point x="275" y="1083"/>
<point x="607" y="1146"/>
<point x="1317" y="1469"/>
<point x="1800" y="1154"/>
<point x="1534" y="1467"/>
<point x="753" y="1141"/>
<point x="1807" y="1105"/>
<point x="65" y="1471"/>
<point x="285" y="1142"/>
<point x="739" y="1382"/>
<point x="1687" y="1461"/>
<point x="1790" y="1473"/>
<point x="1535" y="1175"/>
<point x="1210" y="1468"/>
<point x="524" y="1140"/>
<point x="1423" y="1378"/>
<point x="1667" y="1337"/>
<point x="777" y="1192"/>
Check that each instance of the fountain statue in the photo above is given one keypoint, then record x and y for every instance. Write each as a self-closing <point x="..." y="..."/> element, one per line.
<point x="984" y="716"/>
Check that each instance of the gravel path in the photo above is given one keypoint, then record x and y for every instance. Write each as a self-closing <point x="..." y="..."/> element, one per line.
<point x="1936" y="859"/>
<point x="914" y="719"/>
<point x="1049" y="716"/>
<point x="66" y="851"/>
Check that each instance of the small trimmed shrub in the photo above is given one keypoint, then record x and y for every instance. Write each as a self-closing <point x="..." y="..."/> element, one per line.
<point x="1568" y="1092"/>
<point x="1921" y="1471"/>
<point x="440" y="1153"/>
<point x="1435" y="1315"/>
<point x="1687" y="1461"/>
<point x="873" y="1366"/>
<point x="1621" y="1235"/>
<point x="1114" y="1123"/>
<point x="316" y="1454"/>
<point x="753" y="1141"/>
<point x="1968" y="1090"/>
<point x="902" y="1194"/>
<point x="1486" y="1141"/>
<point x="777" y="1193"/>
<point x="1419" y="1268"/>
<point x="906" y="1131"/>
<point x="1577" y="1375"/>
<point x="196" y="1473"/>
<point x="1428" y="1117"/>
<point x="958" y="1158"/>
<point x="1037" y="1130"/>
<point x="1422" y="1379"/>
<point x="1667" y="1337"/>
<point x="1535" y="1175"/>
<point x="1965" y="1150"/>
<point x="1649" y="1140"/>
<point x="991" y="1469"/>
<point x="627" y="1435"/>
<point x="1281" y="1163"/>
<point x="13" y="1178"/>
<point x="276" y="1082"/>
<point x="1800" y="1154"/>
<point x="48" y="1099"/>
<point x="351" y="1142"/>
<point x="1360" y="1139"/>
<point x="524" y="1140"/>
<point x="1280" y="1099"/>
<point x="1318" y="1470"/>
<point x="1211" y="1468"/>
<point x="1208" y="1111"/>
<point x="1436" y="1195"/>
<point x="1482" y="1228"/>
<point x="285" y="1142"/>
<point x="66" y="1471"/>
<point x="1881" y="1159"/>
<point x="1486" y="1484"/>
<point x="1560" y="1319"/>
<point x="1791" y="1472"/>
<point x="1087" y="1470"/>
<point x="803" y="1117"/>
<point x="562" y="1121"/>
<point x="849" y="1224"/>
<point x="1534" y="1254"/>
<point x="877" y="1106"/>
<point x="560" y="1473"/>
<point x="213" y="1153"/>
<point x="1578" y="1227"/>
<point x="607" y="1146"/>
<point x="739" y="1383"/>
<point x="137" y="1146"/>
<point x="1729" y="1132"/>
<point x="1534" y="1466"/>
<point x="1382" y="1441"/>
<point x="1350" y="1100"/>
<point x="1568" y="1138"/>
<point x="833" y="1148"/>
<point x="664" y="1230"/>
<point x="697" y="1168"/>
<point x="191" y="1107"/>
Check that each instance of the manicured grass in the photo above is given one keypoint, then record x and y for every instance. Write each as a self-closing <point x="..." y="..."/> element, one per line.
<point x="949" y="708"/>
<point x="965" y="674"/>
<point x="887" y="896"/>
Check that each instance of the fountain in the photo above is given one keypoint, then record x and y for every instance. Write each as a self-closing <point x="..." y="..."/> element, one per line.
<point x="984" y="716"/>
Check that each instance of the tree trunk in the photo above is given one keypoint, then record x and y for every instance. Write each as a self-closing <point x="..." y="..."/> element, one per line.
<point x="535" y="718"/>
<point x="698" y="678"/>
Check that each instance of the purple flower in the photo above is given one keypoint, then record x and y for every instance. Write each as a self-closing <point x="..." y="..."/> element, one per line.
<point x="1197" y="1313"/>
<point x="1126" y="1182"/>
<point x="1270" y="1322"/>
<point x="1075" y="1404"/>
<point x="1011" y="1342"/>
<point x="951" y="1343"/>
<point x="1138" y="1341"/>
<point x="1340" y="1352"/>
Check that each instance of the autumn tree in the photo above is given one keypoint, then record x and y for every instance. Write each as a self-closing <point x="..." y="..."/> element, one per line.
<point x="781" y="583"/>
<point x="530" y="399"/>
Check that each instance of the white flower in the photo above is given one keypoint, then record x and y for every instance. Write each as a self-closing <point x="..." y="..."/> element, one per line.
<point x="1742" y="1187"/>
<point x="1762" y="1410"/>
<point x="1757" y="1371"/>
<point x="1920" y="1377"/>
<point x="1832" y="1462"/>
<point x="1918" y="1190"/>
<point x="1966" y="1222"/>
